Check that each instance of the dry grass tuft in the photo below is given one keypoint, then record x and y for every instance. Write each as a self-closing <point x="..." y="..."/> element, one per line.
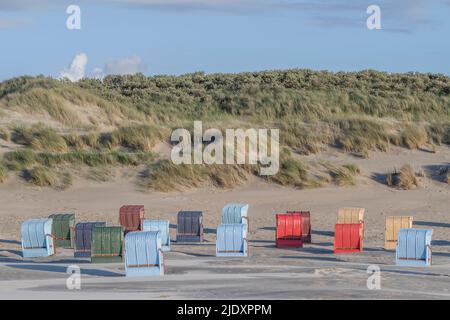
<point x="40" y="137"/>
<point x="414" y="136"/>
<point x="41" y="177"/>
<point x="293" y="173"/>
<point x="345" y="175"/>
<point x="138" y="137"/>
<point x="3" y="174"/>
<point x="405" y="179"/>
<point x="166" y="176"/>
<point x="5" y="134"/>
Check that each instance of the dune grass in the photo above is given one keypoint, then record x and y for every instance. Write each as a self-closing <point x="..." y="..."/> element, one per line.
<point x="25" y="158"/>
<point x="3" y="174"/>
<point x="48" y="177"/>
<point x="100" y="174"/>
<point x="119" y="120"/>
<point x="41" y="176"/>
<point x="345" y="175"/>
<point x="39" y="137"/>
<point x="5" y="134"/>
<point x="306" y="138"/>
<point x="404" y="179"/>
<point x="361" y="135"/>
<point x="165" y="176"/>
<point x="293" y="172"/>
<point x="138" y="137"/>
<point x="414" y="136"/>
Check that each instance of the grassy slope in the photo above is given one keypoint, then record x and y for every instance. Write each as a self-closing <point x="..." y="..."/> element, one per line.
<point x="357" y="112"/>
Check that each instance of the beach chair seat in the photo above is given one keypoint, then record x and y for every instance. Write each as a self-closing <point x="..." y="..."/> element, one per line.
<point x="414" y="247"/>
<point x="393" y="226"/>
<point x="190" y="226"/>
<point x="289" y="230"/>
<point x="131" y="217"/>
<point x="232" y="240"/>
<point x="37" y="238"/>
<point x="143" y="254"/>
<point x="306" y="225"/>
<point x="107" y="244"/>
<point x="348" y="237"/>
<point x="83" y="238"/>
<point x="63" y="227"/>
<point x="163" y="227"/>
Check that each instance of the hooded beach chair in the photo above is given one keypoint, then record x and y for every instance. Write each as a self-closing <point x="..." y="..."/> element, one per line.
<point x="190" y="226"/>
<point x="289" y="230"/>
<point x="351" y="215"/>
<point x="107" y="244"/>
<point x="393" y="226"/>
<point x="37" y="238"/>
<point x="414" y="247"/>
<point x="163" y="227"/>
<point x="306" y="225"/>
<point x="348" y="237"/>
<point x="83" y="238"/>
<point x="131" y="217"/>
<point x="231" y="240"/>
<point x="63" y="228"/>
<point x="143" y="254"/>
<point x="235" y="213"/>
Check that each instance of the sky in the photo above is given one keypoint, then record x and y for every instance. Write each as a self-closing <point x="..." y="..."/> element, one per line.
<point x="184" y="36"/>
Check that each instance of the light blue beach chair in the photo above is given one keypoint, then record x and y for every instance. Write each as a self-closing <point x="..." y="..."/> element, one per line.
<point x="143" y="254"/>
<point x="37" y="239"/>
<point x="163" y="227"/>
<point x="231" y="240"/>
<point x="235" y="213"/>
<point x="414" y="247"/>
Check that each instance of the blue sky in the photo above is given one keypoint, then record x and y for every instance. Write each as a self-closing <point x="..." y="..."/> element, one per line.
<point x="181" y="36"/>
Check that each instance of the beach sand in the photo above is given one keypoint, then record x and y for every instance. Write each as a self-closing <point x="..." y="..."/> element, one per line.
<point x="193" y="271"/>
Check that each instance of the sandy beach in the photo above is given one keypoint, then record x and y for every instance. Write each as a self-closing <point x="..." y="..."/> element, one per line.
<point x="193" y="271"/>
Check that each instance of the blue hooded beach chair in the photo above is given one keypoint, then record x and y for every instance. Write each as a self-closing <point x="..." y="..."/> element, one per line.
<point x="143" y="254"/>
<point x="231" y="240"/>
<point x="414" y="247"/>
<point x="163" y="227"/>
<point x="235" y="213"/>
<point x="37" y="239"/>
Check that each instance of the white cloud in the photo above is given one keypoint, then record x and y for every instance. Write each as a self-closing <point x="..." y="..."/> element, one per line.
<point x="123" y="66"/>
<point x="129" y="65"/>
<point x="76" y="70"/>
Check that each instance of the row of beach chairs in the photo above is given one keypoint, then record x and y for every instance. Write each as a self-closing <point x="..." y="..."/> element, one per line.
<point x="141" y="243"/>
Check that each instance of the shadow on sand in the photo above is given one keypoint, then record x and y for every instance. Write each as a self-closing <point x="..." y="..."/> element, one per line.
<point x="437" y="172"/>
<point x="432" y="224"/>
<point x="323" y="233"/>
<point x="63" y="269"/>
<point x="10" y="241"/>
